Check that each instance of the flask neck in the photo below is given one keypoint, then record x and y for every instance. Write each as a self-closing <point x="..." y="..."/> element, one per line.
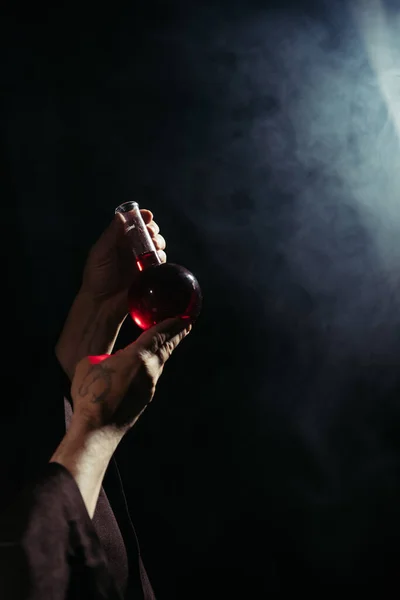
<point x="149" y="259"/>
<point x="139" y="238"/>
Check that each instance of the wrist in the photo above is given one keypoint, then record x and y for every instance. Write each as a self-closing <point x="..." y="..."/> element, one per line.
<point x="86" y="454"/>
<point x="83" y="441"/>
<point x="94" y="437"/>
<point x="112" y="309"/>
<point x="115" y="306"/>
<point x="91" y="327"/>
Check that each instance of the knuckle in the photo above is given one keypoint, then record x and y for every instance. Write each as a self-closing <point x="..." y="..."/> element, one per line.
<point x="153" y="228"/>
<point x="149" y="361"/>
<point x="169" y="347"/>
<point x="157" y="342"/>
<point x="161" y="242"/>
<point x="162" y="255"/>
<point x="165" y="351"/>
<point x="143" y="356"/>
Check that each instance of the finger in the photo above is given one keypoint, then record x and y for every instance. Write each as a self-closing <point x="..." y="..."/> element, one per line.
<point x="159" y="242"/>
<point x="162" y="339"/>
<point x="162" y="350"/>
<point x="153" y="227"/>
<point x="147" y="215"/>
<point x="118" y="227"/>
<point x="162" y="256"/>
<point x="114" y="230"/>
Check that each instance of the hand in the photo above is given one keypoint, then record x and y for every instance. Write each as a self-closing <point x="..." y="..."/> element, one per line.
<point x="110" y="268"/>
<point x="101" y="305"/>
<point x="110" y="393"/>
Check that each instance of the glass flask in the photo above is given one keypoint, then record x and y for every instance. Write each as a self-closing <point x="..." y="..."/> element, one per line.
<point x="161" y="290"/>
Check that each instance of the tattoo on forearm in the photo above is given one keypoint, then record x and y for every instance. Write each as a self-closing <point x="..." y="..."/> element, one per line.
<point x="103" y="375"/>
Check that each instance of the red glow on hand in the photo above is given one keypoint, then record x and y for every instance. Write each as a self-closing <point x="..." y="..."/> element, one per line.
<point x="139" y="322"/>
<point x="95" y="360"/>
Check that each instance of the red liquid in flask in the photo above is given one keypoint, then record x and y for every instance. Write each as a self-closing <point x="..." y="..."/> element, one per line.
<point x="162" y="291"/>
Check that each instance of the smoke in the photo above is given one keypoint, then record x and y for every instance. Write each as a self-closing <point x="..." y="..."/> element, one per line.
<point x="267" y="143"/>
<point x="288" y="150"/>
<point x="285" y="159"/>
<point x="379" y="27"/>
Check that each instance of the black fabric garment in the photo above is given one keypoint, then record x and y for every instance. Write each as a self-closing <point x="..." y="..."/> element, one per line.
<point x="49" y="546"/>
<point x="122" y="549"/>
<point x="108" y="530"/>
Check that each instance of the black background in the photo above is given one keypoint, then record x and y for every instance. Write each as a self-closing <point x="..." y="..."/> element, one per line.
<point x="270" y="458"/>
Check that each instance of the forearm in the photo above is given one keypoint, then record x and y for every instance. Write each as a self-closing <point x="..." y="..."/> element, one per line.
<point x="86" y="455"/>
<point x="91" y="327"/>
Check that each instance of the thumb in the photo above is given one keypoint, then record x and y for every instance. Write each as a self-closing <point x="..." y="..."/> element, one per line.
<point x="112" y="235"/>
<point x="117" y="227"/>
<point x="162" y="339"/>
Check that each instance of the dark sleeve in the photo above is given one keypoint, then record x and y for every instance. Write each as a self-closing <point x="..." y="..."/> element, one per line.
<point x="48" y="545"/>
